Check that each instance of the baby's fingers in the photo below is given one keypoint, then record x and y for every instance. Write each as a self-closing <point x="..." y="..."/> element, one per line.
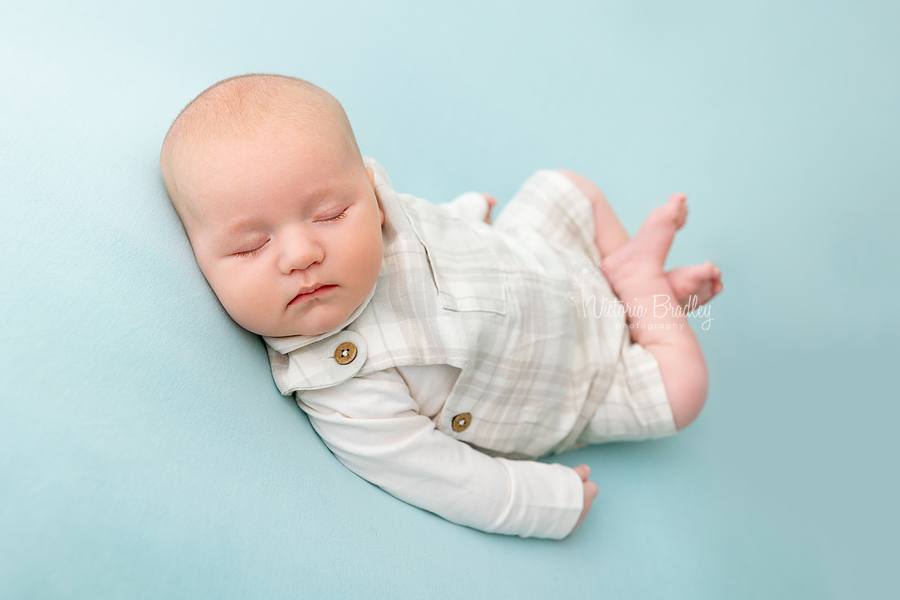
<point x="492" y="202"/>
<point x="583" y="471"/>
<point x="590" y="490"/>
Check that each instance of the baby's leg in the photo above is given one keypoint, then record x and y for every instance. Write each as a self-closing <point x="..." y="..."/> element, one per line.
<point x="700" y="281"/>
<point x="635" y="272"/>
<point x="609" y="233"/>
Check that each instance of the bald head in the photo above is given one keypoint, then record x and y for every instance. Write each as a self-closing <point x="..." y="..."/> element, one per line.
<point x="237" y="107"/>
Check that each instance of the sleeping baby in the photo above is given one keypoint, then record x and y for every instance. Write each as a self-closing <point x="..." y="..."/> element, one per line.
<point x="437" y="354"/>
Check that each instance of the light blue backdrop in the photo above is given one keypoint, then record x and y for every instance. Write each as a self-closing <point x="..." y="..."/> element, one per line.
<point x="144" y="449"/>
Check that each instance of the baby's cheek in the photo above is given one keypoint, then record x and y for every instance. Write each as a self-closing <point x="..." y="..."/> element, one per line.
<point x="234" y="292"/>
<point x="257" y="300"/>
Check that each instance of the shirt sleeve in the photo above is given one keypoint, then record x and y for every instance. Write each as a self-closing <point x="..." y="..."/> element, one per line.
<point x="373" y="427"/>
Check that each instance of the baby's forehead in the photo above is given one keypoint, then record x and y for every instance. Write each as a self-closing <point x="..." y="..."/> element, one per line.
<point x="256" y="167"/>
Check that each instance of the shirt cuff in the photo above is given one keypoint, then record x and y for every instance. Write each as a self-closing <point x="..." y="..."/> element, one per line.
<point x="471" y="207"/>
<point x="545" y="501"/>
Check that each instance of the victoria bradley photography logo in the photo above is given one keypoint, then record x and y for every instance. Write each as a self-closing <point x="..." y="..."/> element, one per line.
<point x="587" y="280"/>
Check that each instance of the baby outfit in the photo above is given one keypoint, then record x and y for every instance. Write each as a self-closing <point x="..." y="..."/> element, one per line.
<point x="478" y="346"/>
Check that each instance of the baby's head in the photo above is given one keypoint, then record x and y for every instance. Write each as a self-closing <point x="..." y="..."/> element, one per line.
<point x="268" y="181"/>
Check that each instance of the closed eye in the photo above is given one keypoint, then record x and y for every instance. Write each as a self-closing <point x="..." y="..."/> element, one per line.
<point x="253" y="252"/>
<point x="336" y="217"/>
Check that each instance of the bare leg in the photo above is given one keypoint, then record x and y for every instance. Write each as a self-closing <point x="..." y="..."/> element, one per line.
<point x="703" y="281"/>
<point x="635" y="272"/>
<point x="609" y="233"/>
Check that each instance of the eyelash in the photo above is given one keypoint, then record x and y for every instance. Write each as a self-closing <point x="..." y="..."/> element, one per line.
<point x="340" y="216"/>
<point x="255" y="251"/>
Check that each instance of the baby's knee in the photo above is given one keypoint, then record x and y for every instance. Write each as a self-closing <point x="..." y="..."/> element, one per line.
<point x="587" y="187"/>
<point x="687" y="398"/>
<point x="576" y="178"/>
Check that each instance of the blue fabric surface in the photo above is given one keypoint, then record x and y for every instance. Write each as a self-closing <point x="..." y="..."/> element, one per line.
<point x="144" y="449"/>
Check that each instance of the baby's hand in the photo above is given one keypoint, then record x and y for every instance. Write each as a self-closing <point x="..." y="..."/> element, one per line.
<point x="590" y="492"/>
<point x="492" y="202"/>
<point x="472" y="207"/>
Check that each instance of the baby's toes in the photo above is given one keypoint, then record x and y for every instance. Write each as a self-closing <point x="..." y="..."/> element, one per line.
<point x="715" y="279"/>
<point x="672" y="213"/>
<point x="679" y="207"/>
<point x="707" y="272"/>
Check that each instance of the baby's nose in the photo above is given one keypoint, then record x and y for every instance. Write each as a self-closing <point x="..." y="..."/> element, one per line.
<point x="298" y="253"/>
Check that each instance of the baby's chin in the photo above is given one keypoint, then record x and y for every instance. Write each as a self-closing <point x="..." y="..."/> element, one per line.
<point x="324" y="324"/>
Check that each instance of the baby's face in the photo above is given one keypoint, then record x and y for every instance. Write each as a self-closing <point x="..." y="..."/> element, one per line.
<point x="285" y="227"/>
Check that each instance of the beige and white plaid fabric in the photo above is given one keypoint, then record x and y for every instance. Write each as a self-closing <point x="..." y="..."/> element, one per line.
<point x="513" y="306"/>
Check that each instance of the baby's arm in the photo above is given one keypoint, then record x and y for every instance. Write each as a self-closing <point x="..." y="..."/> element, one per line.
<point x="373" y="427"/>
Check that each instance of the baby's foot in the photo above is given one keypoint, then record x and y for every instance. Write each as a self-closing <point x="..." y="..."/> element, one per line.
<point x="700" y="281"/>
<point x="643" y="257"/>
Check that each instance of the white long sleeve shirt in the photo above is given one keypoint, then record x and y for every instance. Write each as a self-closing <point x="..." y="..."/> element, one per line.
<point x="380" y="427"/>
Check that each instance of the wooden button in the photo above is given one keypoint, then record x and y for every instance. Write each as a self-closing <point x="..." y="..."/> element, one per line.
<point x="461" y="421"/>
<point x="345" y="353"/>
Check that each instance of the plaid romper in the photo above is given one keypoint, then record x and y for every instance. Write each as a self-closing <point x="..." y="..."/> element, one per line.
<point x="518" y="306"/>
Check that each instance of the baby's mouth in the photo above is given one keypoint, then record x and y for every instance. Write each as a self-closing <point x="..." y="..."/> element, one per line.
<point x="313" y="293"/>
